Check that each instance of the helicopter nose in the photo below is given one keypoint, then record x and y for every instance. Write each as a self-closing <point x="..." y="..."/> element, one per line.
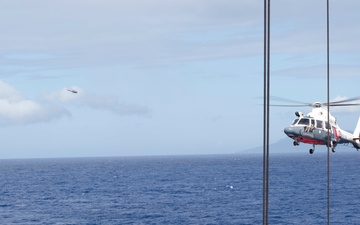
<point x="290" y="131"/>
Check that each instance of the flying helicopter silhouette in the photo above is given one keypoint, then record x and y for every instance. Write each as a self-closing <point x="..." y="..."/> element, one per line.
<point x="72" y="90"/>
<point x="315" y="128"/>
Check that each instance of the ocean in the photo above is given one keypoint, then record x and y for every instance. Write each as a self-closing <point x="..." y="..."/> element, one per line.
<point x="208" y="189"/>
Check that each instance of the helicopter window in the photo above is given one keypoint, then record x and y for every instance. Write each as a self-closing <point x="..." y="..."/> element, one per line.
<point x="327" y="125"/>
<point x="313" y="123"/>
<point x="319" y="124"/>
<point x="304" y="121"/>
<point x="295" y="121"/>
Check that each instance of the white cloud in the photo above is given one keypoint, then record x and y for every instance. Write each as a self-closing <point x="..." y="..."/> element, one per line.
<point x="162" y="32"/>
<point x="8" y="92"/>
<point x="64" y="95"/>
<point x="120" y="32"/>
<point x="96" y="101"/>
<point x="345" y="109"/>
<point x="114" y="105"/>
<point x="15" y="109"/>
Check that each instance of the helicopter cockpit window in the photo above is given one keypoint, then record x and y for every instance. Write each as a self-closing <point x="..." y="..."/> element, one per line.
<point x="295" y="121"/>
<point x="319" y="124"/>
<point x="304" y="121"/>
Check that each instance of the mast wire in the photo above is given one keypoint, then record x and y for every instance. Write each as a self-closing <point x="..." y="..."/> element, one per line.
<point x="266" y="112"/>
<point x="328" y="108"/>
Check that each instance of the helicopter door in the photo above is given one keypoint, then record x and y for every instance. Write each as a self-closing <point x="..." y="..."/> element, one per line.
<point x="336" y="134"/>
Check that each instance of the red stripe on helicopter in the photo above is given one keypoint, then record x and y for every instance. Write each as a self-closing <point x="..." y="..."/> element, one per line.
<point x="309" y="141"/>
<point x="337" y="133"/>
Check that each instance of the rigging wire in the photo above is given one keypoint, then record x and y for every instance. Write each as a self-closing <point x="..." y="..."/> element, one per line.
<point x="328" y="108"/>
<point x="266" y="111"/>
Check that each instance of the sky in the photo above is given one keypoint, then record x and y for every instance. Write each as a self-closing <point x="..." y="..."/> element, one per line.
<point x="165" y="77"/>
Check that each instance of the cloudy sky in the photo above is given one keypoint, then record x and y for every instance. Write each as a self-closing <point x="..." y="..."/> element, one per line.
<point x="164" y="77"/>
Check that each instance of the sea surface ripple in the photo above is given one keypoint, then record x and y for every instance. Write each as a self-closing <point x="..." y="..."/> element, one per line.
<point x="212" y="189"/>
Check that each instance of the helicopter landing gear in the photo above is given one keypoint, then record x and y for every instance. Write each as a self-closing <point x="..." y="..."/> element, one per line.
<point x="296" y="143"/>
<point x="332" y="145"/>
<point x="311" y="151"/>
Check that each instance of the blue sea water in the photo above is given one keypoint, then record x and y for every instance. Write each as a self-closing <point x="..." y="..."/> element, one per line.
<point x="214" y="189"/>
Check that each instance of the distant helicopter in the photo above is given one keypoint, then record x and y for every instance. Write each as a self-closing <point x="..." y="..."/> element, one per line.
<point x="315" y="128"/>
<point x="73" y="91"/>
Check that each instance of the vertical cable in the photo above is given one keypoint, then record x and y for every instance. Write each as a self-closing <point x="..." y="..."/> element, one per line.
<point x="328" y="109"/>
<point x="266" y="111"/>
<point x="265" y="197"/>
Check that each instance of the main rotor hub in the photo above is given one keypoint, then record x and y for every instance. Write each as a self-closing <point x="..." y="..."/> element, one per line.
<point x="317" y="105"/>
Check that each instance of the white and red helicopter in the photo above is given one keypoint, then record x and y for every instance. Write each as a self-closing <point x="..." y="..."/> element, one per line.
<point x="315" y="128"/>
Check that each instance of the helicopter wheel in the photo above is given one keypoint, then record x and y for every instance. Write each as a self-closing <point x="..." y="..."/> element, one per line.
<point x="311" y="151"/>
<point x="296" y="143"/>
<point x="333" y="150"/>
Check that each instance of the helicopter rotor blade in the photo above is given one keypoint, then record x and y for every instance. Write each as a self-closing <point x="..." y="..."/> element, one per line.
<point x="343" y="101"/>
<point x="275" y="98"/>
<point x="303" y="105"/>
<point x="345" y="104"/>
<point x="316" y="104"/>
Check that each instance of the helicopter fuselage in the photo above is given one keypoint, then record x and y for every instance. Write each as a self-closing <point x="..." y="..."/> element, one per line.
<point x="316" y="129"/>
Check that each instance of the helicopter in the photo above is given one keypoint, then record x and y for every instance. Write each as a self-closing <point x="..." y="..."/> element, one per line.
<point x="319" y="127"/>
<point x="72" y="90"/>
